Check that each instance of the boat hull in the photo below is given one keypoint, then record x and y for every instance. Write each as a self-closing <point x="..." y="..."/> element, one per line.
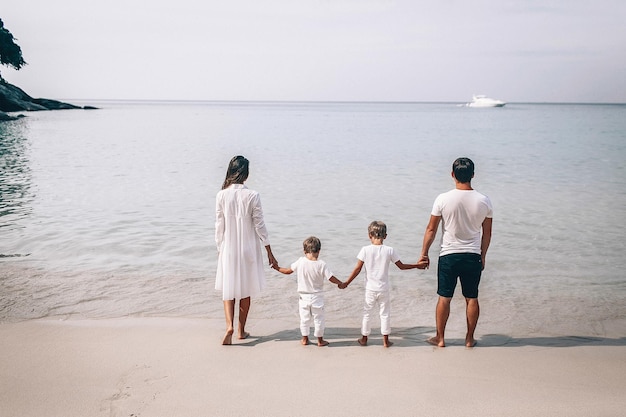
<point x="483" y="101"/>
<point x="500" y="104"/>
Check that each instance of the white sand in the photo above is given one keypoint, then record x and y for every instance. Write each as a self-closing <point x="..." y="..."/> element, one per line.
<point x="157" y="367"/>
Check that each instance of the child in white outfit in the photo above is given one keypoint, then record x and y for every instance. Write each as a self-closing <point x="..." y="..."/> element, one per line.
<point x="376" y="258"/>
<point x="311" y="273"/>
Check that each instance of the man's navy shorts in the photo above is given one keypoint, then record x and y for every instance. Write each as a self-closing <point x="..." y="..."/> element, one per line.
<point x="465" y="266"/>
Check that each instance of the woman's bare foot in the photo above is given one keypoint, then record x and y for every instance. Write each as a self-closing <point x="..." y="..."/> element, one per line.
<point x="243" y="335"/>
<point x="228" y="337"/>
<point x="321" y="342"/>
<point x="304" y="340"/>
<point x="363" y="341"/>
<point x="436" y="342"/>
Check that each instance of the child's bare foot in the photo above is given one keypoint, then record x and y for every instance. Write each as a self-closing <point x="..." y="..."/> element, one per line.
<point x="436" y="342"/>
<point x="386" y="342"/>
<point x="321" y="342"/>
<point x="363" y="341"/>
<point x="304" y="340"/>
<point x="244" y="335"/>
<point x="228" y="337"/>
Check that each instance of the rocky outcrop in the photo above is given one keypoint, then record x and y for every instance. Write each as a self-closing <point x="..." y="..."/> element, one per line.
<point x="4" y="117"/>
<point x="14" y="99"/>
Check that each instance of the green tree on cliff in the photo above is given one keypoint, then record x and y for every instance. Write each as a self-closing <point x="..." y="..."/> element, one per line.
<point x="10" y="52"/>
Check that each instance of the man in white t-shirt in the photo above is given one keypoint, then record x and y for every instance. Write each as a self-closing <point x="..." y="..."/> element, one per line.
<point x="466" y="217"/>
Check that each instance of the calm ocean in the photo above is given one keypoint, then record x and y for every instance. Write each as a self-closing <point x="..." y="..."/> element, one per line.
<point x="110" y="213"/>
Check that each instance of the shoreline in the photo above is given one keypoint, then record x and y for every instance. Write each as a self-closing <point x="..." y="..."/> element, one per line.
<point x="176" y="366"/>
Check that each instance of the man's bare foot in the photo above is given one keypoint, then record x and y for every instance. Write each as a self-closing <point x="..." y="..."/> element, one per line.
<point x="243" y="335"/>
<point x="436" y="342"/>
<point x="228" y="337"/>
<point x="304" y="340"/>
<point x="470" y="343"/>
<point x="321" y="342"/>
<point x="363" y="341"/>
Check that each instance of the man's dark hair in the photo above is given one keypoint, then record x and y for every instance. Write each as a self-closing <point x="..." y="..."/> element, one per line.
<point x="463" y="169"/>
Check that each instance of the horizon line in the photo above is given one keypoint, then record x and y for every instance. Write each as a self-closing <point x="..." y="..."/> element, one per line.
<point x="144" y="100"/>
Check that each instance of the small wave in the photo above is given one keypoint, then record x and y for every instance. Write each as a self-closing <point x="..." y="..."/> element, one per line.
<point x="15" y="255"/>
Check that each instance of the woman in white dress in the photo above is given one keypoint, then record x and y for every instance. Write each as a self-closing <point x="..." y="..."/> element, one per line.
<point x="239" y="232"/>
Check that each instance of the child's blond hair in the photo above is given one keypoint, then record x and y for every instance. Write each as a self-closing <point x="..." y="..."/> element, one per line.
<point x="312" y="245"/>
<point x="377" y="229"/>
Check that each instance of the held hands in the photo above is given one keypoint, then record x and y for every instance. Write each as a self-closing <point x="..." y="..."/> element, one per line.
<point x="424" y="262"/>
<point x="343" y="285"/>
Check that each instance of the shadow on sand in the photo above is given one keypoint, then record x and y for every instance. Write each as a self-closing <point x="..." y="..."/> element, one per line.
<point x="418" y="336"/>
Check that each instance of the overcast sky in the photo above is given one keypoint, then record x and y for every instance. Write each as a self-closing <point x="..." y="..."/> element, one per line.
<point x="337" y="50"/>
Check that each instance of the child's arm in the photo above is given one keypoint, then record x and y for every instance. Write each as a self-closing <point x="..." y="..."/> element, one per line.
<point x="336" y="281"/>
<point x="285" y="271"/>
<point x="355" y="272"/>
<point x="403" y="266"/>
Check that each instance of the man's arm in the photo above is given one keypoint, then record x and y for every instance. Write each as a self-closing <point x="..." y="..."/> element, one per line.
<point x="486" y="238"/>
<point x="429" y="238"/>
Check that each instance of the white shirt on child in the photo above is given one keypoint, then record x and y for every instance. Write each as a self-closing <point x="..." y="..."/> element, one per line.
<point x="311" y="275"/>
<point x="376" y="259"/>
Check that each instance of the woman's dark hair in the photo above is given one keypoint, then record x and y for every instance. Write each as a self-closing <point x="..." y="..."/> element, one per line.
<point x="237" y="172"/>
<point x="463" y="169"/>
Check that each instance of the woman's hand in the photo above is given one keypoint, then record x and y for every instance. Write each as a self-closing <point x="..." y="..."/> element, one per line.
<point x="270" y="257"/>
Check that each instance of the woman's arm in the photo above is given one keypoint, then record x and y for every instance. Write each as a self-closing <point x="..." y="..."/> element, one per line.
<point x="219" y="222"/>
<point x="270" y="257"/>
<point x="258" y="220"/>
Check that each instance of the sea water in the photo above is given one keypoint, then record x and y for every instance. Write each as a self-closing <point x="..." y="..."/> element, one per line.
<point x="110" y="212"/>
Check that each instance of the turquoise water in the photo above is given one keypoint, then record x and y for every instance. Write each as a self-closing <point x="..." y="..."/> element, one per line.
<point x="110" y="213"/>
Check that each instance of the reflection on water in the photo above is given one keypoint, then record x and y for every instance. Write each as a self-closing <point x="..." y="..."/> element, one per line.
<point x="15" y="176"/>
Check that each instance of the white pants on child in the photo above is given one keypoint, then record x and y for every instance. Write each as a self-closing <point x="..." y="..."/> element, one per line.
<point x="312" y="309"/>
<point x="371" y="299"/>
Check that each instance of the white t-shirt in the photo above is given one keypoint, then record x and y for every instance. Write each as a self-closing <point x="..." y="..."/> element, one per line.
<point x="462" y="213"/>
<point x="376" y="259"/>
<point x="311" y="275"/>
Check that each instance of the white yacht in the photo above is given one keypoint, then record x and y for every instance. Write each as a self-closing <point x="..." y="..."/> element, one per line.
<point x="480" y="100"/>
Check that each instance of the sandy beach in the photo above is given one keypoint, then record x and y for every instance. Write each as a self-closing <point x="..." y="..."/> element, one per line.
<point x="176" y="367"/>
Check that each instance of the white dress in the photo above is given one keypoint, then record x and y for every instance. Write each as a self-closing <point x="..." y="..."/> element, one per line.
<point x="239" y="234"/>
